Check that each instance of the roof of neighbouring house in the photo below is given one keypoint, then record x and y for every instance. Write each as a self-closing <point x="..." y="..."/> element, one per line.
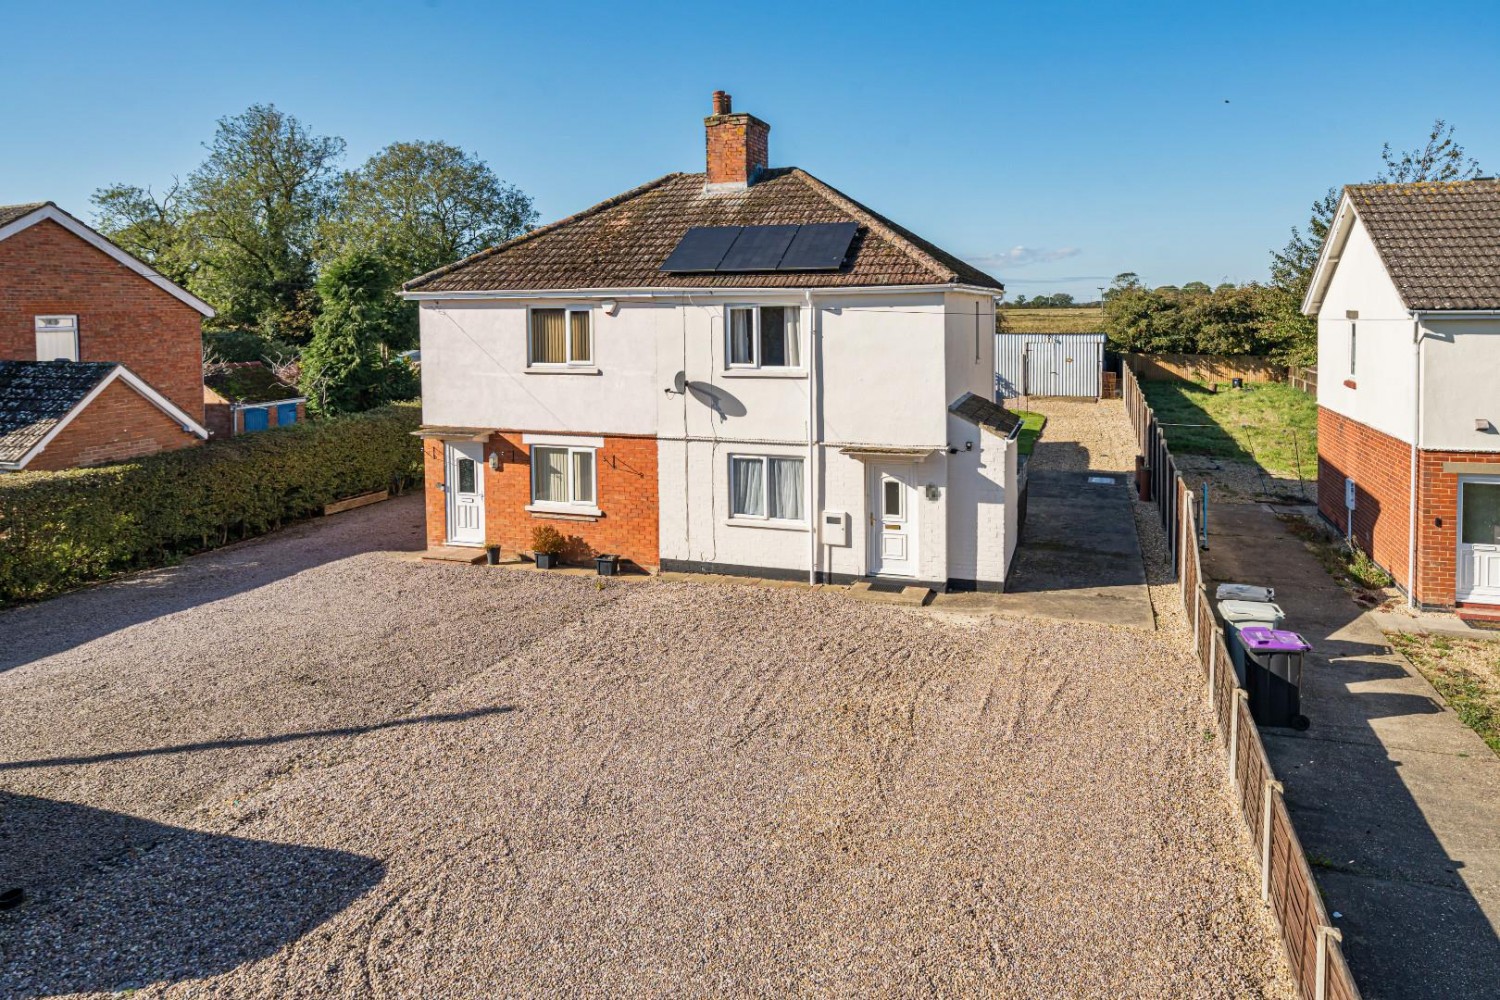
<point x="35" y="396"/>
<point x="622" y="242"/>
<point x="983" y="412"/>
<point x="10" y="213"/>
<point x="250" y="382"/>
<point x="1440" y="242"/>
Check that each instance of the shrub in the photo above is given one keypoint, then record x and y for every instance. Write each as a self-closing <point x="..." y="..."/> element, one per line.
<point x="61" y="529"/>
<point x="547" y="540"/>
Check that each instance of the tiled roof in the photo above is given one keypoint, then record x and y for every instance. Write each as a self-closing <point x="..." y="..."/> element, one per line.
<point x="36" y="395"/>
<point x="10" y="213"/>
<point x="983" y="412"/>
<point x="249" y="382"/>
<point x="1440" y="241"/>
<point x="621" y="243"/>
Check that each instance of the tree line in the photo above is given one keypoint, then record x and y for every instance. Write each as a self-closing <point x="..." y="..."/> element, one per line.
<point x="1263" y="318"/>
<point x="303" y="259"/>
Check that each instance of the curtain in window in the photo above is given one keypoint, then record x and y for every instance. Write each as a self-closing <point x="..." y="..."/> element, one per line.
<point x="792" y="337"/>
<point x="548" y="337"/>
<point x="578" y="323"/>
<point x="747" y="486"/>
<point x="785" y="487"/>
<point x="741" y="324"/>
<point x="549" y="474"/>
<point x="583" y="477"/>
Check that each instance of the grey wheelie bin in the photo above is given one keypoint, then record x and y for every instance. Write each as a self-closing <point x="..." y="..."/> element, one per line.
<point x="1240" y="615"/>
<point x="1273" y="666"/>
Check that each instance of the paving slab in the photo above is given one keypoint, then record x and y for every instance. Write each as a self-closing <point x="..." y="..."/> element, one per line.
<point x="1395" y="799"/>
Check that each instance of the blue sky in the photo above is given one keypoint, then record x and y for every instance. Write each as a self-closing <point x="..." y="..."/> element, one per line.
<point x="1054" y="144"/>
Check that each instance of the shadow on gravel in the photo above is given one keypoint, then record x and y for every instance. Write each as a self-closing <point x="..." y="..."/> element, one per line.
<point x="116" y="902"/>
<point x="254" y="741"/>
<point x="35" y="631"/>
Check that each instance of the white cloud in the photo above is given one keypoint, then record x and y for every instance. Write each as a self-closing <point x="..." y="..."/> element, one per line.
<point x="1020" y="256"/>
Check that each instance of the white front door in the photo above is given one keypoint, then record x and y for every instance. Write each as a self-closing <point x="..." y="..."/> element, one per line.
<point x="1479" y="540"/>
<point x="893" y="521"/>
<point x="465" y="489"/>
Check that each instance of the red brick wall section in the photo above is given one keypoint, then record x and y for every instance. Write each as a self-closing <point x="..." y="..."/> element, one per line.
<point x="1381" y="468"/>
<point x="737" y="148"/>
<point x="627" y="493"/>
<point x="122" y="317"/>
<point x="119" y="424"/>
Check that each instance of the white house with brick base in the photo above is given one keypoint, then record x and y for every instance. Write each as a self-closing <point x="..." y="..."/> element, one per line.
<point x="1407" y="297"/>
<point x="736" y="371"/>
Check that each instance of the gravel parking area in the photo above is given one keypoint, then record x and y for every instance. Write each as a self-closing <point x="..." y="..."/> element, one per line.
<point x="310" y="766"/>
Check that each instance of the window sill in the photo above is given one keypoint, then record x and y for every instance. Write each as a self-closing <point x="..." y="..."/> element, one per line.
<point x="562" y="370"/>
<point x="764" y="373"/>
<point x="756" y="522"/>
<point x="571" y="513"/>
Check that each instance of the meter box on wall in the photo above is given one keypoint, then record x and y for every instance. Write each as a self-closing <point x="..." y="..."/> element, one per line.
<point x="835" y="527"/>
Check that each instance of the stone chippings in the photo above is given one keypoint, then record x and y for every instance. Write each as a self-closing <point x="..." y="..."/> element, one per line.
<point x="628" y="789"/>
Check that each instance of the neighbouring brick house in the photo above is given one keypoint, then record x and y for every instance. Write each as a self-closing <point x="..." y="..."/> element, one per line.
<point x="1407" y="297"/>
<point x="242" y="397"/>
<point x="69" y="296"/>
<point x="738" y="371"/>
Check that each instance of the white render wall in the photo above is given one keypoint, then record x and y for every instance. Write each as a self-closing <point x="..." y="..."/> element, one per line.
<point x="1460" y="383"/>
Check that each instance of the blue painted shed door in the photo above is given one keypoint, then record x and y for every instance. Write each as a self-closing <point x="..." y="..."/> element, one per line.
<point x="256" y="419"/>
<point x="286" y="413"/>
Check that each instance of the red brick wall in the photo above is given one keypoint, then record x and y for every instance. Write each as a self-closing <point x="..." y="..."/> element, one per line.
<point x="119" y="424"/>
<point x="1381" y="468"/>
<point x="737" y="147"/>
<point x="122" y="317"/>
<point x="625" y="469"/>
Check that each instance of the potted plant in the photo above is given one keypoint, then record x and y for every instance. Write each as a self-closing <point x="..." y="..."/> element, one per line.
<point x="607" y="565"/>
<point x="547" y="544"/>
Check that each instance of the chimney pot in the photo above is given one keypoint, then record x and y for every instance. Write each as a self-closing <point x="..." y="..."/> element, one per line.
<point x="722" y="103"/>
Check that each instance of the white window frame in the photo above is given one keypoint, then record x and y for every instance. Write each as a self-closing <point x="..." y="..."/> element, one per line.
<point x="765" y="490"/>
<point x="72" y="321"/>
<point x="754" y="363"/>
<point x="572" y="504"/>
<point x="1353" y="345"/>
<point x="571" y="361"/>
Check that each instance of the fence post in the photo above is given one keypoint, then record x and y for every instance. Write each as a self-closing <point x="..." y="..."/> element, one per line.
<point x="1320" y="983"/>
<point x="1273" y="787"/>
<point x="1199" y="597"/>
<point x="1234" y="735"/>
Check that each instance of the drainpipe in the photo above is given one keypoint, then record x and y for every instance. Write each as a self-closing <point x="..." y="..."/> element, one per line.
<point x="1416" y="441"/>
<point x="814" y="517"/>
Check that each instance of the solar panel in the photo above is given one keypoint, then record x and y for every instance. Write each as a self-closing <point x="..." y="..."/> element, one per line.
<point x="819" y="247"/>
<point x="759" y="248"/>
<point x="701" y="249"/>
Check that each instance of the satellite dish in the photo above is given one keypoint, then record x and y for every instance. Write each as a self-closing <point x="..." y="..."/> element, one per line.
<point x="679" y="383"/>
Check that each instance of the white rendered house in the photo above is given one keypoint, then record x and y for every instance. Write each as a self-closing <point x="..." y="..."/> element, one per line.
<point x="737" y="371"/>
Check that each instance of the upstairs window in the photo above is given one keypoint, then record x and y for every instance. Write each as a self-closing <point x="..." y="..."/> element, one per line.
<point x="1353" y="345"/>
<point x="764" y="337"/>
<point x="57" y="338"/>
<point x="561" y="337"/>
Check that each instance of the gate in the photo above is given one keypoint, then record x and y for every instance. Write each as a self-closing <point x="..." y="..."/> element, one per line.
<point x="1048" y="364"/>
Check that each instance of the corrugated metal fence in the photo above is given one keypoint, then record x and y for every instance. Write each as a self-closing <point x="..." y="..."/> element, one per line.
<point x="1287" y="886"/>
<point x="1048" y="364"/>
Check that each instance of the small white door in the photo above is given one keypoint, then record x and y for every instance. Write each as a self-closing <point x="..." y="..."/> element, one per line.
<point x="465" y="488"/>
<point x="1479" y="540"/>
<point x="893" y="522"/>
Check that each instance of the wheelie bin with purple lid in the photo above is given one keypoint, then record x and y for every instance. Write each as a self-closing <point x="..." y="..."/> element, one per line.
<point x="1273" y="675"/>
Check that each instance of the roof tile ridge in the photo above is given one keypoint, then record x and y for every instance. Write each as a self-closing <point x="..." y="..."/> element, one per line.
<point x="415" y="283"/>
<point x="877" y="223"/>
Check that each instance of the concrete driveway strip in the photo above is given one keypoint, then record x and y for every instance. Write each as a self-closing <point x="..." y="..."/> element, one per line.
<point x="1396" y="800"/>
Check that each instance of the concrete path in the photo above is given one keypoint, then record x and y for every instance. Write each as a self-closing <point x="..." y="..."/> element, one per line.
<point x="1397" y="802"/>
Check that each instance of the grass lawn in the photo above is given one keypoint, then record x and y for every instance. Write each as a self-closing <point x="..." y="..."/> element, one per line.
<point x="1271" y="424"/>
<point x="1466" y="672"/>
<point x="1031" y="429"/>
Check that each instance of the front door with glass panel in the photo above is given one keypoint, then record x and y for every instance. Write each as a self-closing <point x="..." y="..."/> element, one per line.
<point x="465" y="493"/>
<point x="893" y="521"/>
<point x="1479" y="540"/>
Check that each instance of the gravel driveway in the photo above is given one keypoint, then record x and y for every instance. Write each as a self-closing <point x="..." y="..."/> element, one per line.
<point x="310" y="766"/>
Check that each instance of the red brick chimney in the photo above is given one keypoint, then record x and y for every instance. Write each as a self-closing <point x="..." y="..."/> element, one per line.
<point x="736" y="145"/>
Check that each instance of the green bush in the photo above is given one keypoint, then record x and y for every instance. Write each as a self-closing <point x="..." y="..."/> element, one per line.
<point x="61" y="529"/>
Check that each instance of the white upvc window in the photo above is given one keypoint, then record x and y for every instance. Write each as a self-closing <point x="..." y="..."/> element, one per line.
<point x="765" y="487"/>
<point x="1353" y="346"/>
<point x="560" y="337"/>
<point x="56" y="338"/>
<point x="563" y="476"/>
<point x="764" y="337"/>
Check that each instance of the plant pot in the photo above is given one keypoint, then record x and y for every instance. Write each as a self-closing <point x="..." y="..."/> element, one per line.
<point x="546" y="560"/>
<point x="607" y="565"/>
<point x="492" y="555"/>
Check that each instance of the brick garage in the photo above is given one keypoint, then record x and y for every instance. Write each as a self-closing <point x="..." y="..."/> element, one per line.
<point x="120" y="424"/>
<point x="122" y="316"/>
<point x="626" y="486"/>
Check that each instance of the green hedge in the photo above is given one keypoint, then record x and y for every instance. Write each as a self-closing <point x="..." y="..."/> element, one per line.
<point x="61" y="529"/>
